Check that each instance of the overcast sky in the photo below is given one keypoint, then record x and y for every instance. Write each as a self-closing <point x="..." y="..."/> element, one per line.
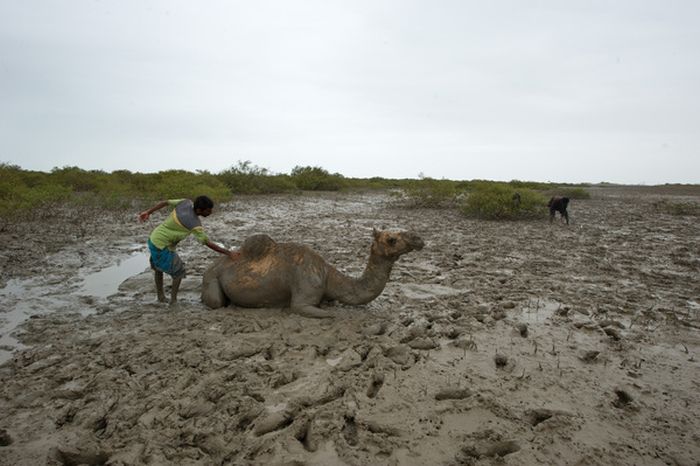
<point x="562" y="91"/>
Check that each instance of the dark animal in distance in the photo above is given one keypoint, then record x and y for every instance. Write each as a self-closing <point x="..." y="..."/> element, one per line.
<point x="558" y="204"/>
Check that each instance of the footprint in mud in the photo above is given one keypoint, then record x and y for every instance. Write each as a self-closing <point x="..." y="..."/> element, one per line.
<point x="538" y="416"/>
<point x="612" y="333"/>
<point x="304" y="436"/>
<point x="350" y="431"/>
<point x="73" y="456"/>
<point x="375" y="385"/>
<point x="500" y="360"/>
<point x="589" y="355"/>
<point x="5" y="438"/>
<point x="522" y="330"/>
<point x="272" y="422"/>
<point x="453" y="394"/>
<point x="378" y="328"/>
<point x="623" y="399"/>
<point x="499" y="448"/>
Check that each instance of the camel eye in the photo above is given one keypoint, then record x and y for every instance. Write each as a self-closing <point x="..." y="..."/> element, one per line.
<point x="391" y="241"/>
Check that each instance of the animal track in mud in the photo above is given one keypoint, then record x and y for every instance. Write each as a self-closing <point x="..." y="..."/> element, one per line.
<point x="537" y="416"/>
<point x="375" y="385"/>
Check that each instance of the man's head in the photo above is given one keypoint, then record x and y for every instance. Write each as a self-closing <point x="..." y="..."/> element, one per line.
<point x="203" y="206"/>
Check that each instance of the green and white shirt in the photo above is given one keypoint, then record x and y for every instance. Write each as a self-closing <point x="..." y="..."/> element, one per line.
<point x="181" y="222"/>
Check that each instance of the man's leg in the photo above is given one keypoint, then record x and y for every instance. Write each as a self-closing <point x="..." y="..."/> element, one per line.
<point x="173" y="292"/>
<point x="159" y="286"/>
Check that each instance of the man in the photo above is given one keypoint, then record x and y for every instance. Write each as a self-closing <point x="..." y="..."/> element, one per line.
<point x="182" y="221"/>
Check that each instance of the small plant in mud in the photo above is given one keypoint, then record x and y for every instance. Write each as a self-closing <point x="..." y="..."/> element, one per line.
<point x="677" y="208"/>
<point x="495" y="201"/>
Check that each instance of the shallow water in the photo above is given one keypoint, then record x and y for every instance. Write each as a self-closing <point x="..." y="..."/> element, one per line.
<point x="106" y="282"/>
<point x="21" y="299"/>
<point x="11" y="316"/>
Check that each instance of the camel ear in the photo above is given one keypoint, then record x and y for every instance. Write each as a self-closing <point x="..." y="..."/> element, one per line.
<point x="375" y="233"/>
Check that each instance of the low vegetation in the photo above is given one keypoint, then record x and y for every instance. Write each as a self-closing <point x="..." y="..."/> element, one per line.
<point x="24" y="190"/>
<point x="572" y="192"/>
<point x="677" y="208"/>
<point x="501" y="201"/>
<point x="428" y="192"/>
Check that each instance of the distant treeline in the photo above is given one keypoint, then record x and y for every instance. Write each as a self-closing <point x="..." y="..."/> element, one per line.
<point x="24" y="190"/>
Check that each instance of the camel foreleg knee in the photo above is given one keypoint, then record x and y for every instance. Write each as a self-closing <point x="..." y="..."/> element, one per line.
<point x="212" y="294"/>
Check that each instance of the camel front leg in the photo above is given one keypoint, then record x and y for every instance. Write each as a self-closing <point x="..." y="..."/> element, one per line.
<point x="212" y="293"/>
<point x="307" y="292"/>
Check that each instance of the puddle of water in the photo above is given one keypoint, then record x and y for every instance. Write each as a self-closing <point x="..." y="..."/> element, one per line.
<point x="106" y="282"/>
<point x="21" y="299"/>
<point x="10" y="317"/>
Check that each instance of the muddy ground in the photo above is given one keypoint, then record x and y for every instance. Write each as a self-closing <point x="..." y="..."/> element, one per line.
<point x="498" y="343"/>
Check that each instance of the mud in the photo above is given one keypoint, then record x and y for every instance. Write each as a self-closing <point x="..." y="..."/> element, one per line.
<point x="498" y="343"/>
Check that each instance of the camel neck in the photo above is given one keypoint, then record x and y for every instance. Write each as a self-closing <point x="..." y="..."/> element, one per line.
<point x="364" y="289"/>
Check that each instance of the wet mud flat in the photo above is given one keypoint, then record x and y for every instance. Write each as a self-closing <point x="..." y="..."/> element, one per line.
<point x="498" y="343"/>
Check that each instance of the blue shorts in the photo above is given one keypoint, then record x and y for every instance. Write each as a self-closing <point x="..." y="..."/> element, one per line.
<point x="167" y="261"/>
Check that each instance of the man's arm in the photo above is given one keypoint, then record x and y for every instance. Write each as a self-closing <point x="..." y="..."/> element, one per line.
<point x="215" y="247"/>
<point x="143" y="216"/>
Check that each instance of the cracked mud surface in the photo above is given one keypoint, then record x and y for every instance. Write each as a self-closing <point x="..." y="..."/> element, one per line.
<point x="498" y="343"/>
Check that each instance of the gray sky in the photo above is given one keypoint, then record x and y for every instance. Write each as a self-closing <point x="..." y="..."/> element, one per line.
<point x="562" y="91"/>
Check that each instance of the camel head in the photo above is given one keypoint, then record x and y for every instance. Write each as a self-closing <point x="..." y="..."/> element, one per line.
<point x="393" y="244"/>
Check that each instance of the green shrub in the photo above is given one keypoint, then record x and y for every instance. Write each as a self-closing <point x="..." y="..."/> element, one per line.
<point x="429" y="192"/>
<point x="175" y="184"/>
<point x="316" y="179"/>
<point x="533" y="185"/>
<point x="76" y="179"/>
<point x="495" y="201"/>
<point x="246" y="178"/>
<point x="24" y="190"/>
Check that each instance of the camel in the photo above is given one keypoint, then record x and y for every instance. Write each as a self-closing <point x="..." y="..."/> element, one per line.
<point x="271" y="274"/>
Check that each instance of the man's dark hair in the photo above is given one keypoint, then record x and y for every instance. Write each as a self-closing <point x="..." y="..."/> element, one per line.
<point x="202" y="203"/>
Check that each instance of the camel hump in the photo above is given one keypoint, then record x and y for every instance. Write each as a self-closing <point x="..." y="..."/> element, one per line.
<point x="257" y="246"/>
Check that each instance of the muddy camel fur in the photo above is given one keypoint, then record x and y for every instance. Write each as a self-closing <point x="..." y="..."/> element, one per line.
<point x="271" y="274"/>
